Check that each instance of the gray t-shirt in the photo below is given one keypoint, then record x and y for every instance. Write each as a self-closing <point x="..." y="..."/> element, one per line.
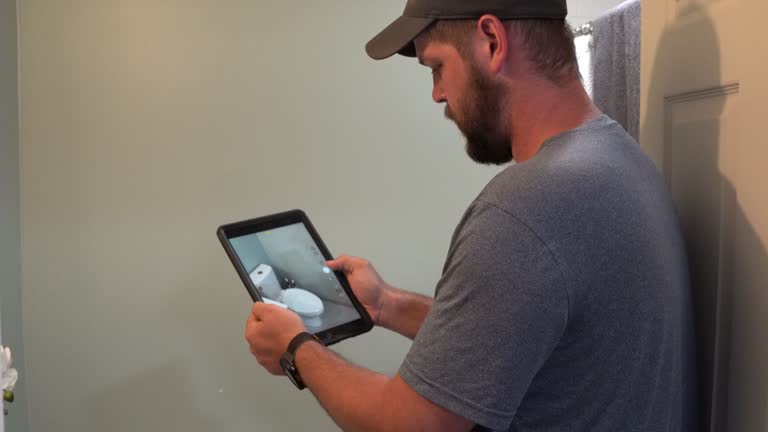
<point x="564" y="302"/>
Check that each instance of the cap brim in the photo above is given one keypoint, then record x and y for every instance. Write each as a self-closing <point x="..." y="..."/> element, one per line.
<point x="397" y="38"/>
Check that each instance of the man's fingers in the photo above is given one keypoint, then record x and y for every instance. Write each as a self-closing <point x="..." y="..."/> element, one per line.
<point x="336" y="265"/>
<point x="250" y="322"/>
<point x="250" y="325"/>
<point x="342" y="263"/>
<point x="260" y="310"/>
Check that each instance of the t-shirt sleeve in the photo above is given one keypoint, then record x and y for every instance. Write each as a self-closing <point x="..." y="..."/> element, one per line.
<point x="500" y="310"/>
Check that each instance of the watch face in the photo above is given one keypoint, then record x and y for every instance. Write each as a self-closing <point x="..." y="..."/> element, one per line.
<point x="292" y="373"/>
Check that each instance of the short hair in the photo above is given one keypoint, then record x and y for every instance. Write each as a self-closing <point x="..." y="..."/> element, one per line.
<point x="548" y="42"/>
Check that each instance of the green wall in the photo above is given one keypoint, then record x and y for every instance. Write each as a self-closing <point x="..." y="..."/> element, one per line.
<point x="10" y="266"/>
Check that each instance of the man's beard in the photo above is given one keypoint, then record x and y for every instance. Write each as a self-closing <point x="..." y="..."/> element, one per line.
<point x="481" y="122"/>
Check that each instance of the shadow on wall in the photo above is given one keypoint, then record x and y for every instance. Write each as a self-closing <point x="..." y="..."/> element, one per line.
<point x="725" y="253"/>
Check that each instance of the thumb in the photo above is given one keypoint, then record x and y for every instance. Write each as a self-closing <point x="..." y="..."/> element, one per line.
<point x="342" y="263"/>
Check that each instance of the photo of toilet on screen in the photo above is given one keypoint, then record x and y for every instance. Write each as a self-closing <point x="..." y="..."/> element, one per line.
<point x="286" y="266"/>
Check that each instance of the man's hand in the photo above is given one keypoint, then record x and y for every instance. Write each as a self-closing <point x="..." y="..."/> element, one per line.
<point x="368" y="286"/>
<point x="391" y="308"/>
<point x="268" y="330"/>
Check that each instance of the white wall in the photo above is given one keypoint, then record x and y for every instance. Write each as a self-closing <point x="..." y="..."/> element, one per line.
<point x="145" y="125"/>
<point x="10" y="286"/>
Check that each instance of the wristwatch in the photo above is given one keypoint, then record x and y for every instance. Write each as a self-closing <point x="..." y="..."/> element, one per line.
<point x="288" y="360"/>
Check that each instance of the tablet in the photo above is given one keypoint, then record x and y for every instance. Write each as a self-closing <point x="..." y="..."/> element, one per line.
<point x="281" y="260"/>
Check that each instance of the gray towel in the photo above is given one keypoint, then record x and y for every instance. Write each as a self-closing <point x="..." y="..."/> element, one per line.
<point x="616" y="61"/>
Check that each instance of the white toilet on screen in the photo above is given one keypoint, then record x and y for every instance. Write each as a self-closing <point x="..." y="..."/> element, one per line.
<point x="303" y="302"/>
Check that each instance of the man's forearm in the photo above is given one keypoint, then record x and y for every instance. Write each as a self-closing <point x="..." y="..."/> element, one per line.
<point x="356" y="398"/>
<point x="404" y="312"/>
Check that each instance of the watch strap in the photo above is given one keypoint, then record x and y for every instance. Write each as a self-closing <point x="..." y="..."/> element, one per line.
<point x="298" y="341"/>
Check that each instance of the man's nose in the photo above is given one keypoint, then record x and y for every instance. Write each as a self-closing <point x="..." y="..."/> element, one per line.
<point x="437" y="94"/>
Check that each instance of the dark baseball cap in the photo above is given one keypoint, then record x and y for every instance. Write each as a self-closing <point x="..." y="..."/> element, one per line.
<point x="398" y="37"/>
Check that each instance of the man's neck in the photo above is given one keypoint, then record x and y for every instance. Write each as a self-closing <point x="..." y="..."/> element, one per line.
<point x="544" y="110"/>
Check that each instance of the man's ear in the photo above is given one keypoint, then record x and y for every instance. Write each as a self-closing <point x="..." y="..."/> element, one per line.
<point x="494" y="47"/>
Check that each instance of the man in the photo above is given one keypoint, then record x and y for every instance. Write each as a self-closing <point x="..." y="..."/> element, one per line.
<point x="564" y="300"/>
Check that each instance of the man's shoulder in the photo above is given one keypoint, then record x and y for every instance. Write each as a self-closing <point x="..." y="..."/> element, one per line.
<point x="582" y="179"/>
<point x="571" y="166"/>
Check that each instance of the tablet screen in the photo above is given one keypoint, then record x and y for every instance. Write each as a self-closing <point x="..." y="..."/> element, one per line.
<point x="288" y="269"/>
